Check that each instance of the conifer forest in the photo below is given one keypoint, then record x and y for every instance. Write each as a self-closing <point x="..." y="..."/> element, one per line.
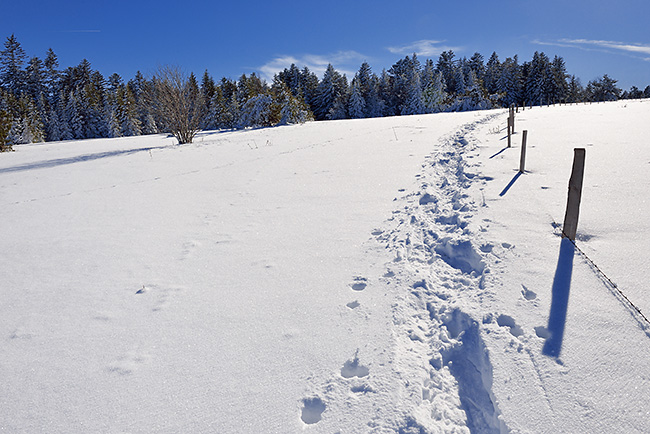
<point x="41" y="101"/>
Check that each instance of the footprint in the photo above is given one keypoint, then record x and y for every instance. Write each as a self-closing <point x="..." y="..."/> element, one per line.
<point x="508" y="321"/>
<point x="162" y="295"/>
<point x="188" y="248"/>
<point x="353" y="304"/>
<point x="359" y="283"/>
<point x="527" y="293"/>
<point x="542" y="332"/>
<point x="128" y="363"/>
<point x="312" y="410"/>
<point x="352" y="368"/>
<point x="20" y="333"/>
<point x="362" y="388"/>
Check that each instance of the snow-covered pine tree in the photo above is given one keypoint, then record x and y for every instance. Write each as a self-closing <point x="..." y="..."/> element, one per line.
<point x="5" y="122"/>
<point x="64" y="125"/>
<point x="459" y="82"/>
<point x="331" y="91"/>
<point x="414" y="104"/>
<point x="384" y="89"/>
<point x="368" y="87"/>
<point x="26" y="126"/>
<point x="447" y="66"/>
<point x="34" y="78"/>
<point x="560" y="85"/>
<point x="74" y="117"/>
<point x="434" y="96"/>
<point x="476" y="64"/>
<point x="406" y="89"/>
<point x="536" y="82"/>
<point x="356" y="103"/>
<point x="129" y="122"/>
<point x="53" y="130"/>
<point x="509" y="83"/>
<point x="12" y="59"/>
<point x="474" y="98"/>
<point x="92" y="106"/>
<point x="257" y="112"/>
<point x="292" y="109"/>
<point x="51" y="75"/>
<point x="492" y="74"/>
<point x="575" y="91"/>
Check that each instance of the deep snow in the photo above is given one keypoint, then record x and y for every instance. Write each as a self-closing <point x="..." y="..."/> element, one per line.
<point x="380" y="275"/>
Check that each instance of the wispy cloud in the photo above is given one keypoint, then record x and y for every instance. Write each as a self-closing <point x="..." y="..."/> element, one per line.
<point x="80" y="31"/>
<point x="424" y="47"/>
<point x="633" y="49"/>
<point x="345" y="62"/>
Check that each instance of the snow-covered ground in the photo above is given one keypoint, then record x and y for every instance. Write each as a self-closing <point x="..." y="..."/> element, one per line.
<point x="380" y="275"/>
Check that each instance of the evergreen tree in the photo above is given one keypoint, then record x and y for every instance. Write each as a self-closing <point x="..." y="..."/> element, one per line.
<point x="257" y="112"/>
<point x="474" y="98"/>
<point x="292" y="109"/>
<point x="508" y="84"/>
<point x="6" y="120"/>
<point x="53" y="130"/>
<point x="603" y="89"/>
<point x="476" y="64"/>
<point x="560" y="86"/>
<point x="434" y="96"/>
<point x="384" y="98"/>
<point x="575" y="91"/>
<point x="51" y="75"/>
<point x="12" y="74"/>
<point x="74" y="117"/>
<point x="35" y="78"/>
<point x="538" y="79"/>
<point x="492" y="74"/>
<point x="406" y="87"/>
<point x="414" y="103"/>
<point x="446" y="65"/>
<point x="331" y="92"/>
<point x="356" y="104"/>
<point x="368" y="89"/>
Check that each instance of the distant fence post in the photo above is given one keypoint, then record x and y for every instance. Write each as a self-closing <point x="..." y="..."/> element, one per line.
<point x="575" y="192"/>
<point x="522" y="160"/>
<point x="512" y="117"/>
<point x="509" y="131"/>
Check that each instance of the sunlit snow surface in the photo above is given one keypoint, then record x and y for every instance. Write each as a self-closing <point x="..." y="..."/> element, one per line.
<point x="380" y="275"/>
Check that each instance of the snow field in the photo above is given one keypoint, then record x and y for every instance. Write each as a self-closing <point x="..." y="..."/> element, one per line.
<point x="301" y="279"/>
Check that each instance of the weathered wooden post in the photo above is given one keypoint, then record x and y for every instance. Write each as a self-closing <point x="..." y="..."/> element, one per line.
<point x="575" y="192"/>
<point x="509" y="131"/>
<point x="522" y="159"/>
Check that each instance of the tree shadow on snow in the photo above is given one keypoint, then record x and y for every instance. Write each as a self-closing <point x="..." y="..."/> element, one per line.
<point x="77" y="159"/>
<point x="559" y="304"/>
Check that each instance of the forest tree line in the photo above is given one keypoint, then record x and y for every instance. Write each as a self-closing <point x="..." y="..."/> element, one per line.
<point x="40" y="102"/>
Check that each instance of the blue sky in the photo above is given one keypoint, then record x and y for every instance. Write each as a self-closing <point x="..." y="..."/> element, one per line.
<point x="594" y="37"/>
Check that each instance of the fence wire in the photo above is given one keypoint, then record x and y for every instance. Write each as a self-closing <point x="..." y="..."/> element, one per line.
<point x="610" y="283"/>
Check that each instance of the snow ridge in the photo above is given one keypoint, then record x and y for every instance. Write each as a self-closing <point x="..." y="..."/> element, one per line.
<point x="439" y="345"/>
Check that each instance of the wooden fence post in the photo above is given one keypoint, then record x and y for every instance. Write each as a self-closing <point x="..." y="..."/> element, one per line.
<point x="512" y="116"/>
<point x="509" y="132"/>
<point x="522" y="159"/>
<point x="575" y="192"/>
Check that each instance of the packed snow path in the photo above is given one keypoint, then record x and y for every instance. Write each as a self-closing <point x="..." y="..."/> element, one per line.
<point x="301" y="279"/>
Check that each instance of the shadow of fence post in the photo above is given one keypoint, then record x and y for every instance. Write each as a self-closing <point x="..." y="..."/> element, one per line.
<point x="560" y="300"/>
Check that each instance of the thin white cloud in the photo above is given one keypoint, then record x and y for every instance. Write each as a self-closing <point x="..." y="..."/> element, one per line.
<point x="633" y="49"/>
<point x="345" y="62"/>
<point x="424" y="47"/>
<point x="80" y="31"/>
